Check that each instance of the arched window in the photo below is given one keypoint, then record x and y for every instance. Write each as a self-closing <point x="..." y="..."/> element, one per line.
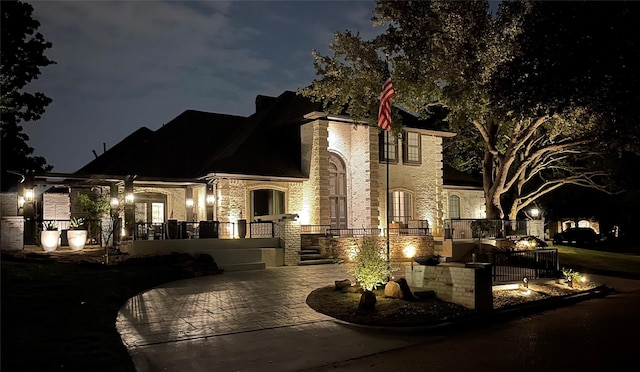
<point x="401" y="206"/>
<point x="337" y="192"/>
<point x="454" y="206"/>
<point x="267" y="202"/>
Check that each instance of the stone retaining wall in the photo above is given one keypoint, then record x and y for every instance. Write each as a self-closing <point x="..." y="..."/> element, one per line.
<point x="342" y="248"/>
<point x="467" y="286"/>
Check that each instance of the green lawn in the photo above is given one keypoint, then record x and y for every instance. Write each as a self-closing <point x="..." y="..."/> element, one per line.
<point x="599" y="262"/>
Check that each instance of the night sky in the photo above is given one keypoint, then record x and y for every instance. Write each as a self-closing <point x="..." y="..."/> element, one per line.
<point x="122" y="65"/>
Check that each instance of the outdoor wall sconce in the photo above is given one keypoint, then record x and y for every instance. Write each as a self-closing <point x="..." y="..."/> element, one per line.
<point x="210" y="199"/>
<point x="526" y="282"/>
<point x="115" y="203"/>
<point x="535" y="212"/>
<point x="189" y="202"/>
<point x="28" y="195"/>
<point x="128" y="199"/>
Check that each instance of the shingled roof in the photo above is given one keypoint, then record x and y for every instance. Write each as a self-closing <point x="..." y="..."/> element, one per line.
<point x="197" y="143"/>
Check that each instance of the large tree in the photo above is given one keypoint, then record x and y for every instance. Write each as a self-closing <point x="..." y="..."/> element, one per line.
<point x="22" y="56"/>
<point x="488" y="71"/>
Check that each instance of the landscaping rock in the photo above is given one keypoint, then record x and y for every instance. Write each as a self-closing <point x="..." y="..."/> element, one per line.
<point x="367" y="301"/>
<point x="407" y="295"/>
<point x="392" y="290"/>
<point x="341" y="284"/>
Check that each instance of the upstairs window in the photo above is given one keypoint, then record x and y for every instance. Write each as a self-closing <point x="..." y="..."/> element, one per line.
<point x="388" y="152"/>
<point x="412" y="151"/>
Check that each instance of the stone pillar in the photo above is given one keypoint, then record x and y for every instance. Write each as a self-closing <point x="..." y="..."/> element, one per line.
<point x="289" y="233"/>
<point x="129" y="207"/>
<point x="12" y="232"/>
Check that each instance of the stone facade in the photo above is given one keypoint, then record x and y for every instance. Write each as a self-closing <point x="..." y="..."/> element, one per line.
<point x="423" y="182"/>
<point x="343" y="248"/>
<point x="12" y="232"/>
<point x="466" y="286"/>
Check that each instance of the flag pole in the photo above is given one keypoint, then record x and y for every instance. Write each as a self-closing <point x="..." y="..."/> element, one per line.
<point x="388" y="207"/>
<point x="384" y="122"/>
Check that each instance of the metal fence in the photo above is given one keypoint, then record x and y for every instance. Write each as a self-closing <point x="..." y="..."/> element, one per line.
<point x="533" y="264"/>
<point x="358" y="233"/>
<point x="481" y="228"/>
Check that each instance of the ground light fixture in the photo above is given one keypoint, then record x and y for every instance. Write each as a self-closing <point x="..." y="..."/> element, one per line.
<point x="570" y="280"/>
<point x="409" y="252"/>
<point x="525" y="281"/>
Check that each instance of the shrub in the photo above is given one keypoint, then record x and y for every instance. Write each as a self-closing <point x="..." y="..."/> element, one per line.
<point x="370" y="267"/>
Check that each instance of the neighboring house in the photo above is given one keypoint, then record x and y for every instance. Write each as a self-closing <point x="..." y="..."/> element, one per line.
<point x="288" y="157"/>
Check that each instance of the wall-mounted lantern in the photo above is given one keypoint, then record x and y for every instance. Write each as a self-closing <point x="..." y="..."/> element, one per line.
<point x="28" y="195"/>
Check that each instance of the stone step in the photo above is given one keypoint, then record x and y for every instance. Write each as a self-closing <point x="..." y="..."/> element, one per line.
<point x="312" y="256"/>
<point x="309" y="251"/>
<point x="323" y="261"/>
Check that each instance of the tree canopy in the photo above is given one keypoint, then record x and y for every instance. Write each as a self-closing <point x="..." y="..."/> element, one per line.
<point x="22" y="57"/>
<point x="535" y="91"/>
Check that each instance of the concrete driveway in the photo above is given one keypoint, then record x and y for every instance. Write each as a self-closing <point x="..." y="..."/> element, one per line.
<point x="250" y="321"/>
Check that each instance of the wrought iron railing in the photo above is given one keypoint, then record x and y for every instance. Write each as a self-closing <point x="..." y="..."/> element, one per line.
<point x="532" y="264"/>
<point x="314" y="229"/>
<point x="402" y="231"/>
<point x="482" y="228"/>
<point x="262" y="229"/>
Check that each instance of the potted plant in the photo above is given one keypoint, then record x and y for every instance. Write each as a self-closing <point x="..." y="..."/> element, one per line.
<point x="77" y="235"/>
<point x="49" y="236"/>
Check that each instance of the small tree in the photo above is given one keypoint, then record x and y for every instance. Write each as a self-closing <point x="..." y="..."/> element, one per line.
<point x="370" y="265"/>
<point x="92" y="208"/>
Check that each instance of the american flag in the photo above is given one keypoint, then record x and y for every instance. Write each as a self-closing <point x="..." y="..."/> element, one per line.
<point x="384" y="115"/>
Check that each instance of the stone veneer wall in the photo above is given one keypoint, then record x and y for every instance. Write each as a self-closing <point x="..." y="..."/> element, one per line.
<point x="9" y="204"/>
<point x="12" y="232"/>
<point x="453" y="283"/>
<point x="353" y="143"/>
<point x="289" y="233"/>
<point x="472" y="202"/>
<point x="341" y="248"/>
<point x="424" y="182"/>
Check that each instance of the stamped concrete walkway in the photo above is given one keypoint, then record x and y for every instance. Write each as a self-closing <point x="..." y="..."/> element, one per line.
<point x="245" y="321"/>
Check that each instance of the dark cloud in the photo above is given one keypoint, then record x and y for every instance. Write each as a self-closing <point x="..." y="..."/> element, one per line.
<point x="126" y="64"/>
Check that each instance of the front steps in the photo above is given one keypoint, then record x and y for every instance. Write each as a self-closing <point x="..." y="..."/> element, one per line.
<point x="310" y="252"/>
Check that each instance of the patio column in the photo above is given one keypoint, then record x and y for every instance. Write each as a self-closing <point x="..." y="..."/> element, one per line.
<point x="129" y="207"/>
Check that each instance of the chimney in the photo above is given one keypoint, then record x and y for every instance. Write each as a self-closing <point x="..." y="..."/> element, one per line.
<point x="263" y="102"/>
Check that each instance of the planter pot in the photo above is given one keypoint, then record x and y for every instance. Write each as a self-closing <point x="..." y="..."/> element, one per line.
<point x="77" y="239"/>
<point x="49" y="240"/>
<point x="242" y="229"/>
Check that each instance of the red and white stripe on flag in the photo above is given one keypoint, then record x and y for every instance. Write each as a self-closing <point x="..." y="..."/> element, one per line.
<point x="384" y="114"/>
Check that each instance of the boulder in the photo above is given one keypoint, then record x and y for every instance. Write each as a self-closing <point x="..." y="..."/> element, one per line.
<point x="392" y="290"/>
<point x="367" y="301"/>
<point x="407" y="295"/>
<point x="341" y="284"/>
